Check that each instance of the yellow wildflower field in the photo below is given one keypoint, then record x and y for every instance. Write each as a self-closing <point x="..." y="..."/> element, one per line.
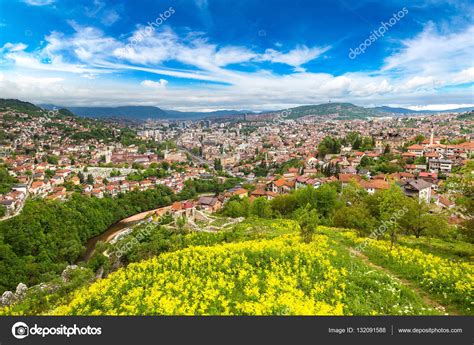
<point x="451" y="280"/>
<point x="279" y="276"/>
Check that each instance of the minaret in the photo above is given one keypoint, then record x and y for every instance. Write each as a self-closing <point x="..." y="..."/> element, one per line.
<point x="431" y="138"/>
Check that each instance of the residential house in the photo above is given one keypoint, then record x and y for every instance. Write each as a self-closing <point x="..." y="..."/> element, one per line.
<point x="209" y="203"/>
<point x="415" y="149"/>
<point x="418" y="189"/>
<point x="372" y="186"/>
<point x="440" y="165"/>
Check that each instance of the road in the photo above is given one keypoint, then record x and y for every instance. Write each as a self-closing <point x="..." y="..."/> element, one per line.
<point x="197" y="158"/>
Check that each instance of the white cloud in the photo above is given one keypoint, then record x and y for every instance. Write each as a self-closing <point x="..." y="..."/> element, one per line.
<point x="433" y="57"/>
<point x="13" y="47"/>
<point x="296" y="57"/>
<point x="441" y="106"/>
<point x="411" y="76"/>
<point x="161" y="84"/>
<point x="39" y="2"/>
<point x="110" y="17"/>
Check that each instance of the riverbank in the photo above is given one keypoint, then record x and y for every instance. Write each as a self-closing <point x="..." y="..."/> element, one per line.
<point x="117" y="228"/>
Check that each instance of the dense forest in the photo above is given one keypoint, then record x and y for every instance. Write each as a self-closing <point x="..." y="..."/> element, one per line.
<point x="48" y="235"/>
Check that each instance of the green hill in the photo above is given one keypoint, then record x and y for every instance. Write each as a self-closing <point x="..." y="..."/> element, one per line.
<point x="261" y="267"/>
<point x="340" y="110"/>
<point x="19" y="106"/>
<point x="278" y="276"/>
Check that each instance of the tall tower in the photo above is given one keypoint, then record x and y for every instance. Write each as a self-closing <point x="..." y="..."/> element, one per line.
<point x="431" y="138"/>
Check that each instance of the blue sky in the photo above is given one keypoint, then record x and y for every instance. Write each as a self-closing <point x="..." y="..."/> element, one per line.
<point x="221" y="54"/>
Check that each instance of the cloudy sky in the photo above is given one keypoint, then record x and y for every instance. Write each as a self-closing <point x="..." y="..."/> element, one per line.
<point x="227" y="54"/>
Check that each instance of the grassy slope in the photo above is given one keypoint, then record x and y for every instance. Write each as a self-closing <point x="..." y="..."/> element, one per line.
<point x="264" y="270"/>
<point x="163" y="285"/>
<point x="442" y="269"/>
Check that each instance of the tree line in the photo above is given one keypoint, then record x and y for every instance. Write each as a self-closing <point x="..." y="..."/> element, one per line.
<point x="386" y="213"/>
<point x="48" y="235"/>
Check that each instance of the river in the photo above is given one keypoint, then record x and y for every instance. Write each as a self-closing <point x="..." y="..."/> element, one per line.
<point x="116" y="229"/>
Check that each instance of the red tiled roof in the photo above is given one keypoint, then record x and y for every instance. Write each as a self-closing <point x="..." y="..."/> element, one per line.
<point x="348" y="177"/>
<point x="415" y="147"/>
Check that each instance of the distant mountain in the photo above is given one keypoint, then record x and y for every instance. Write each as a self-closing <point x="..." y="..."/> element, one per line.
<point x="18" y="105"/>
<point x="341" y="111"/>
<point x="201" y="115"/>
<point x="128" y="112"/>
<point x="466" y="116"/>
<point x="141" y="112"/>
<point x="346" y="111"/>
<point x="458" y="110"/>
<point x="385" y="109"/>
<point x="28" y="108"/>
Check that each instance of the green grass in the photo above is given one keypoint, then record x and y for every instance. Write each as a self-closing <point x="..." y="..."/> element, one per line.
<point x="433" y="265"/>
<point x="367" y="290"/>
<point x="449" y="249"/>
<point x="370" y="289"/>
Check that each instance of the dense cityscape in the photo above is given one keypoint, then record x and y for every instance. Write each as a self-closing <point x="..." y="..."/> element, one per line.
<point x="54" y="157"/>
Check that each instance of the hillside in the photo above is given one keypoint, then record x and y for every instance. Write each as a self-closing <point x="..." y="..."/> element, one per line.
<point x="21" y="118"/>
<point x="20" y="106"/>
<point x="340" y="111"/>
<point x="404" y="111"/>
<point x="276" y="275"/>
<point x="466" y="116"/>
<point x="140" y="113"/>
<point x="261" y="267"/>
<point x="30" y="109"/>
<point x="128" y="112"/>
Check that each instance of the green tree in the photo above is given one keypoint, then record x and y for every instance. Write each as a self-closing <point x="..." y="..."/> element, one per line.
<point x="81" y="177"/>
<point x="217" y="164"/>
<point x="284" y="204"/>
<point x="260" y="207"/>
<point x="52" y="160"/>
<point x="326" y="199"/>
<point x="90" y="179"/>
<point x="352" y="193"/>
<point x="308" y="220"/>
<point x="181" y="222"/>
<point x="391" y="205"/>
<point x="6" y="181"/>
<point x="419" y="138"/>
<point x="237" y="208"/>
<point x="416" y="219"/>
<point x="329" y="145"/>
<point x="354" y="217"/>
